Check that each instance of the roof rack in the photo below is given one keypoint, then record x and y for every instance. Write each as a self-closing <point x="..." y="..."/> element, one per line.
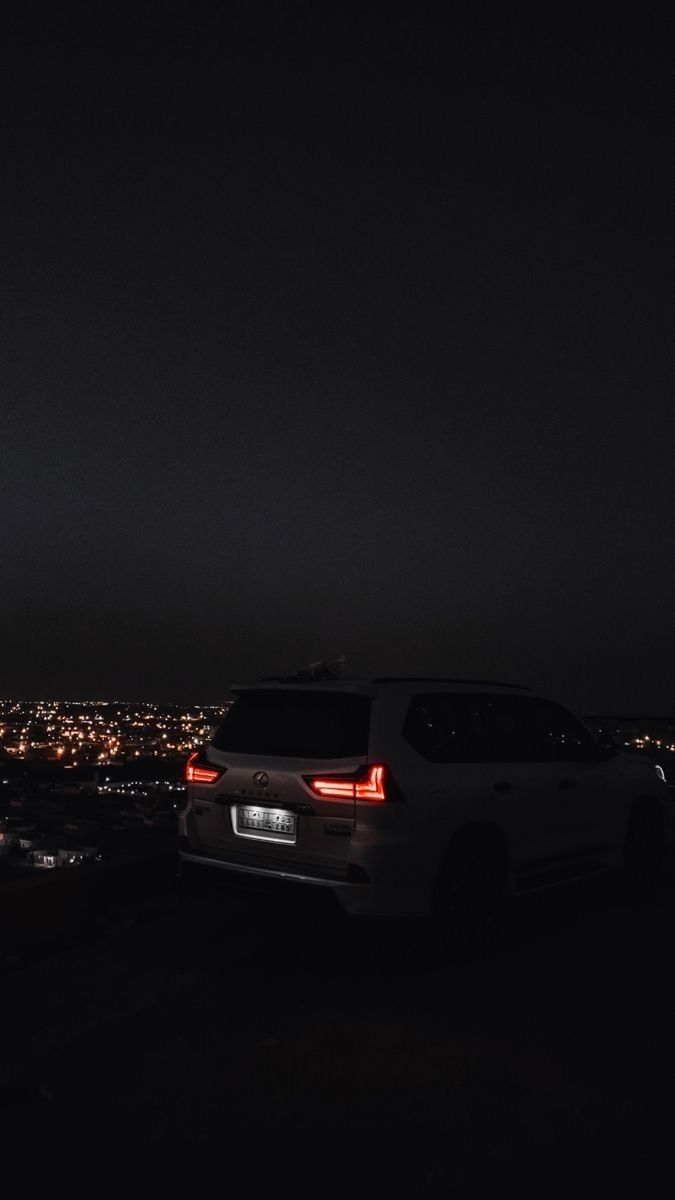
<point x="438" y="679"/>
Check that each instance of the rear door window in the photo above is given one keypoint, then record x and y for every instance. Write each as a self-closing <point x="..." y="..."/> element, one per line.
<point x="295" y="724"/>
<point x="443" y="728"/>
<point x="470" y="728"/>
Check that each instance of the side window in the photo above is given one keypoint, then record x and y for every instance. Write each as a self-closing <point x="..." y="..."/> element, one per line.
<point x="508" y="736"/>
<point x="558" y="733"/>
<point x="470" y="728"/>
<point x="486" y="728"/>
<point x="445" y="728"/>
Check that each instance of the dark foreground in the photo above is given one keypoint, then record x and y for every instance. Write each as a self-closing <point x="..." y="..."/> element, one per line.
<point x="232" y="1043"/>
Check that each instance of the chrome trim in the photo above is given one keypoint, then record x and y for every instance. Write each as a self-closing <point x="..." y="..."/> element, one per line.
<point x="273" y="872"/>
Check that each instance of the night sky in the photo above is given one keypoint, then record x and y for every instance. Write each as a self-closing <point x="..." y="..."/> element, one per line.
<point x="326" y="333"/>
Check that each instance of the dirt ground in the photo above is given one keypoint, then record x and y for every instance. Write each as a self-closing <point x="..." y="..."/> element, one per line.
<point x="214" y="1040"/>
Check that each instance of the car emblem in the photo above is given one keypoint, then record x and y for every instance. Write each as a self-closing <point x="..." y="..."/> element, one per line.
<point x="260" y="779"/>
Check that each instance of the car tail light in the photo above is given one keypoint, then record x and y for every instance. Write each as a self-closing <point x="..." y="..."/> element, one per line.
<point x="199" y="770"/>
<point x="369" y="783"/>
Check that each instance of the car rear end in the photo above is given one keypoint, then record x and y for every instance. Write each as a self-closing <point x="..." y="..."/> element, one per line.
<point x="289" y="789"/>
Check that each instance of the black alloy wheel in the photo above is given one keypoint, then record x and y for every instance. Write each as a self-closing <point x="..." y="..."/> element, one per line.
<point x="643" y="848"/>
<point x="470" y="899"/>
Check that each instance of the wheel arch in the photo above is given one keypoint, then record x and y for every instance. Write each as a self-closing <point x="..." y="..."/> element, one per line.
<point x="488" y="835"/>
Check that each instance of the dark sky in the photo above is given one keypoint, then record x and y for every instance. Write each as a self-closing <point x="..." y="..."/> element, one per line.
<point x="323" y="333"/>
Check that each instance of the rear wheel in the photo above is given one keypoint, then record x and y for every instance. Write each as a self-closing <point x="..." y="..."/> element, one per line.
<point x="643" y="848"/>
<point x="470" y="896"/>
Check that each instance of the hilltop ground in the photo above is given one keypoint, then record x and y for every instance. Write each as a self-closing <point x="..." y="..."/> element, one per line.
<point x="240" y="1042"/>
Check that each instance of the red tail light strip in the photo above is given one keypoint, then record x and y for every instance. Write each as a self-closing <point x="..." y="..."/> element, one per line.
<point x="345" y="787"/>
<point x="197" y="772"/>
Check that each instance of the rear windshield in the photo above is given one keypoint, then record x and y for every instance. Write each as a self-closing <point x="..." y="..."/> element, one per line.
<point x="296" y="725"/>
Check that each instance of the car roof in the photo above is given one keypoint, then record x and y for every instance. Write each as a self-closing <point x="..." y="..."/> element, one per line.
<point x="371" y="686"/>
<point x="450" y="679"/>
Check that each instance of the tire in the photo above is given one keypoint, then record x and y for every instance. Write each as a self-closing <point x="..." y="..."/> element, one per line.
<point x="470" y="898"/>
<point x="643" y="849"/>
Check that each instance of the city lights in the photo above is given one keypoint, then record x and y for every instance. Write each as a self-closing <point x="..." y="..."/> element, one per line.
<point x="102" y="731"/>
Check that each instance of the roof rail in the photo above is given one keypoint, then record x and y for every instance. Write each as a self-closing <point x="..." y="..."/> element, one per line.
<point x="438" y="679"/>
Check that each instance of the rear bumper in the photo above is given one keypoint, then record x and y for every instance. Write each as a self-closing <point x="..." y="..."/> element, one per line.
<point x="357" y="899"/>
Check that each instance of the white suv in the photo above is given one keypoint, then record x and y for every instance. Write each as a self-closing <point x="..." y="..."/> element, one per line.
<point x="406" y="796"/>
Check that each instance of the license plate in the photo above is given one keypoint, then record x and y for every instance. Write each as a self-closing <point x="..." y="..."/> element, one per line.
<point x="265" y="822"/>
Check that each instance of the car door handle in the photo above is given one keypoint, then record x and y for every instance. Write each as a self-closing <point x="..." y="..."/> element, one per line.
<point x="568" y="783"/>
<point x="502" y="785"/>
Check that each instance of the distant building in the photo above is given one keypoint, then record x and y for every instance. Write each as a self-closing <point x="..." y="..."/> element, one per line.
<point x="75" y="856"/>
<point x="18" y="836"/>
<point x="43" y="857"/>
<point x="47" y="857"/>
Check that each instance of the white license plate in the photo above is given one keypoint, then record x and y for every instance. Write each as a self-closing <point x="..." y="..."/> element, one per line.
<point x="265" y="822"/>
